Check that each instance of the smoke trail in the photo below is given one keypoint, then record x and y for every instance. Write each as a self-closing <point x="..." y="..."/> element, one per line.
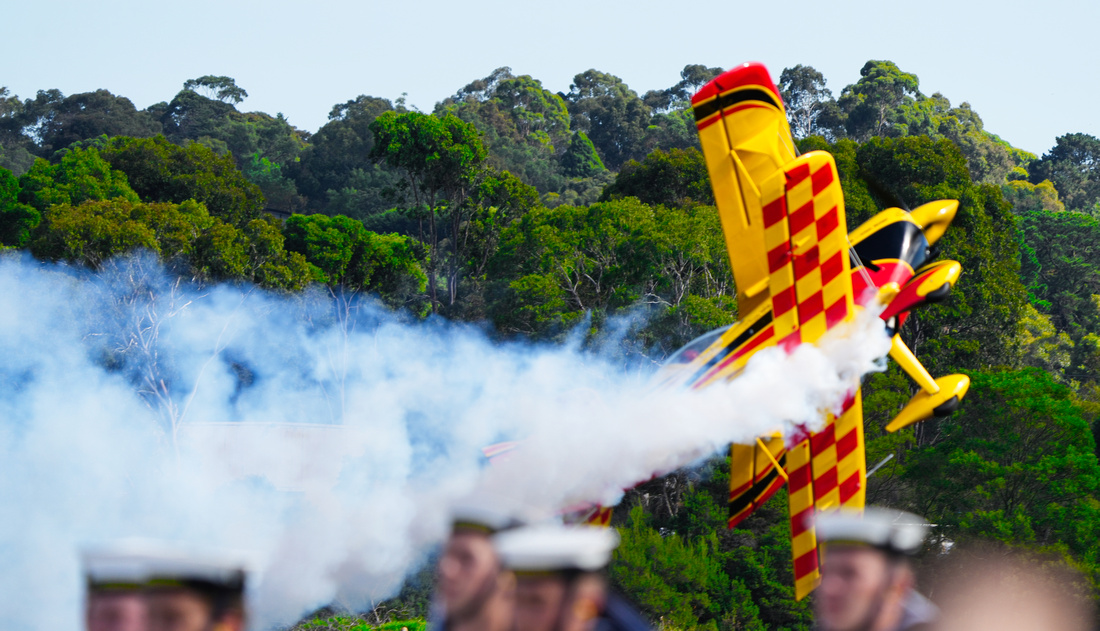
<point x="325" y="437"/>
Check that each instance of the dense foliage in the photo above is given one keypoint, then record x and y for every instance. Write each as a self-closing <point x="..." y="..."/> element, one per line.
<point x="535" y="212"/>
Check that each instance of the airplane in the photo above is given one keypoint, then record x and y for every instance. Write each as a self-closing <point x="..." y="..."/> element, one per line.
<point x="799" y="273"/>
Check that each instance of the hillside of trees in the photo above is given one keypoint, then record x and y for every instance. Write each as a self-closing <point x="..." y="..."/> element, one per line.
<point x="533" y="211"/>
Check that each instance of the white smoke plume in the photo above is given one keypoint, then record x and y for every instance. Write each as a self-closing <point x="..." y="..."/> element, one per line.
<point x="324" y="438"/>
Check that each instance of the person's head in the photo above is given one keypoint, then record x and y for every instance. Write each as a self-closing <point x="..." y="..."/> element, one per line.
<point x="149" y="586"/>
<point x="469" y="572"/>
<point x="558" y="601"/>
<point x="114" y="598"/>
<point x="559" y="580"/>
<point x="865" y="572"/>
<point x="472" y="584"/>
<point x="861" y="588"/>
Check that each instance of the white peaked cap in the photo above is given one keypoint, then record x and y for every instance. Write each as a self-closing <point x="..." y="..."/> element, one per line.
<point x="105" y="565"/>
<point x="140" y="560"/>
<point x="891" y="530"/>
<point x="556" y="548"/>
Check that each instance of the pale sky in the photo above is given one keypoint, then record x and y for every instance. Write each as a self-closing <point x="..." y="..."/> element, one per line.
<point x="1027" y="68"/>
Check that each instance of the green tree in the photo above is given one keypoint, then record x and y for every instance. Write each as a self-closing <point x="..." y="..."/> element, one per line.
<point x="692" y="278"/>
<point x="1016" y="464"/>
<point x="596" y="257"/>
<point x="755" y="557"/>
<point x="988" y="159"/>
<point x="581" y="158"/>
<point x="191" y="116"/>
<point x="336" y="173"/>
<point x="672" y="130"/>
<point x="524" y="127"/>
<point x="859" y="203"/>
<point x="160" y="171"/>
<point x="976" y="326"/>
<point x="269" y="263"/>
<point x="678" y="97"/>
<point x="279" y="191"/>
<point x="1025" y="196"/>
<point x="442" y="160"/>
<point x="273" y="137"/>
<point x="224" y="89"/>
<point x="81" y="175"/>
<point x="611" y="114"/>
<point x="497" y="202"/>
<point x="1061" y="267"/>
<point x="1073" y="165"/>
<point x="672" y="179"/>
<point x="204" y="113"/>
<point x="881" y="103"/>
<point x="16" y="220"/>
<point x="186" y="237"/>
<point x="557" y="264"/>
<point x="89" y="115"/>
<point x="887" y="102"/>
<point x="1042" y="345"/>
<point x="15" y="146"/>
<point x="672" y="125"/>
<point x="95" y="230"/>
<point x="810" y="105"/>
<point x="534" y="110"/>
<point x="678" y="582"/>
<point x="342" y="253"/>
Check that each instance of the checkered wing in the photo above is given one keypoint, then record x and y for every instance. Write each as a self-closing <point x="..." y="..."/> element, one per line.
<point x="753" y="476"/>
<point x="811" y="292"/>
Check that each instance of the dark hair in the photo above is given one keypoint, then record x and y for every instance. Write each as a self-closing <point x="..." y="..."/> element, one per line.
<point x="223" y="599"/>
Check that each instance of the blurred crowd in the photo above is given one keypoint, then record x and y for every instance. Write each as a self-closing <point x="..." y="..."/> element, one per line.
<point x="498" y="574"/>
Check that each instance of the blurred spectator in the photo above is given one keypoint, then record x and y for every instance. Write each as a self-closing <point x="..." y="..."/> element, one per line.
<point x="145" y="586"/>
<point x="867" y="581"/>
<point x="989" y="588"/>
<point x="560" y="582"/>
<point x="474" y="592"/>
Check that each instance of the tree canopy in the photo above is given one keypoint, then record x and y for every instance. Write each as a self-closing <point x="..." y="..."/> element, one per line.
<point x="1073" y="166"/>
<point x="161" y="171"/>
<point x="222" y="88"/>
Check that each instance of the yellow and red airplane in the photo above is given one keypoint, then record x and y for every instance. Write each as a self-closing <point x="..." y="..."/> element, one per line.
<point x="799" y="273"/>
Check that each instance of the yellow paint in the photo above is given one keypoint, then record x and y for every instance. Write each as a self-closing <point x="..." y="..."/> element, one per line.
<point x="905" y="358"/>
<point x="741" y="466"/>
<point x="799" y="501"/>
<point x="936" y="275"/>
<point x="935" y="217"/>
<point x="887" y="292"/>
<point x="921" y="406"/>
<point x="775" y="463"/>
<point x="746" y="253"/>
<point x="852" y="419"/>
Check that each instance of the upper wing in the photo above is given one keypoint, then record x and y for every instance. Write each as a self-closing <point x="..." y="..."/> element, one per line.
<point x="745" y="138"/>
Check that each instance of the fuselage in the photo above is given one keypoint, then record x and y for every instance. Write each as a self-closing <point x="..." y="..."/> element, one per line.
<point x="889" y="248"/>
